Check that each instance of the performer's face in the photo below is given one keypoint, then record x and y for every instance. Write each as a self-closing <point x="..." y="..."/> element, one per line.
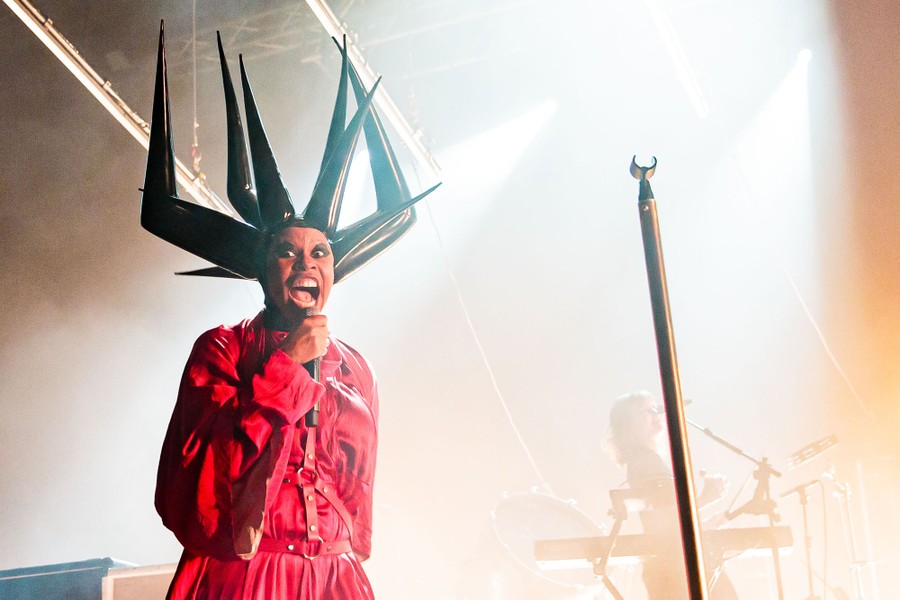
<point x="649" y="424"/>
<point x="299" y="272"/>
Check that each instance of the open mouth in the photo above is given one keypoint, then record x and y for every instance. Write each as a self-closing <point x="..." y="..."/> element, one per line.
<point x="305" y="292"/>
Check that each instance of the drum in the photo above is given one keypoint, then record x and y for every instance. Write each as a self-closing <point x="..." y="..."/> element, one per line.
<point x="522" y="518"/>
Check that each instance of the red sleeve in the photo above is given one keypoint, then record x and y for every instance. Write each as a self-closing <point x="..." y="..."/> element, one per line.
<point x="363" y="524"/>
<point x="361" y="432"/>
<point x="228" y="443"/>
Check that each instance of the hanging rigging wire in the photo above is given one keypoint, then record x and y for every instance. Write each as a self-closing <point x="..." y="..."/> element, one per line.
<point x="669" y="35"/>
<point x="101" y="89"/>
<point x="414" y="111"/>
<point x="782" y="263"/>
<point x="484" y="358"/>
<point x="195" y="147"/>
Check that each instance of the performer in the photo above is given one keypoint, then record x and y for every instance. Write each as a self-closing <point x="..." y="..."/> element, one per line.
<point x="637" y="442"/>
<point x="267" y="467"/>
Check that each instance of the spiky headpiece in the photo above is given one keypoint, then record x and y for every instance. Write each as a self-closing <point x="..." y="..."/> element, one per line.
<point x="234" y="245"/>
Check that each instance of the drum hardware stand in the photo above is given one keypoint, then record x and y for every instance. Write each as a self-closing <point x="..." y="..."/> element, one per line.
<point x="619" y="512"/>
<point x="688" y="518"/>
<point x="807" y="539"/>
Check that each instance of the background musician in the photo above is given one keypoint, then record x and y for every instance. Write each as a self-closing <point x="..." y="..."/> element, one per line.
<point x="638" y="443"/>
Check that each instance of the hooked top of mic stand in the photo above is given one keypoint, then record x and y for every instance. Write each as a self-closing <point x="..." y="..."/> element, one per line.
<point x="643" y="174"/>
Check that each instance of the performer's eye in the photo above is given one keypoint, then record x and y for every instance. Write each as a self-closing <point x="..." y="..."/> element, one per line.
<point x="285" y="250"/>
<point x="320" y="251"/>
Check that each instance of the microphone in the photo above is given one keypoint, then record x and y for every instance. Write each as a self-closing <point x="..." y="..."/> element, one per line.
<point x="800" y="489"/>
<point x="312" y="367"/>
<point x="660" y="410"/>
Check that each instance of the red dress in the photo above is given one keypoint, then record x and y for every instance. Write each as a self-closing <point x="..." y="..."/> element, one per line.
<point x="231" y="464"/>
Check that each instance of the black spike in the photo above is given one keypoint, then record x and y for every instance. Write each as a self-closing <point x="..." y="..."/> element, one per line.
<point x="275" y="204"/>
<point x="240" y="188"/>
<point x="338" y="117"/>
<point x="324" y="208"/>
<point x="369" y="237"/>
<point x="217" y="272"/>
<point x="160" y="175"/>
<point x="390" y="185"/>
<point x="203" y="232"/>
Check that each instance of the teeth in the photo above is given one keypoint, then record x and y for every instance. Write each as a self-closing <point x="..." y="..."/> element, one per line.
<point x="307" y="282"/>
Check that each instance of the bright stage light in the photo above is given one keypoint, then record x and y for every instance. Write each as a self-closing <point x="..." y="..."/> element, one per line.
<point x="359" y="194"/>
<point x="774" y="150"/>
<point x="482" y="163"/>
<point x="474" y="171"/>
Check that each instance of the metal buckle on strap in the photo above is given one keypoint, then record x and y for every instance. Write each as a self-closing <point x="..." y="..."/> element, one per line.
<point x="309" y="549"/>
<point x="296" y="477"/>
<point x="317" y="544"/>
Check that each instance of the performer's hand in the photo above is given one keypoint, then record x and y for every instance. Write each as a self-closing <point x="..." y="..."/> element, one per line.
<point x="714" y="488"/>
<point x="309" y="340"/>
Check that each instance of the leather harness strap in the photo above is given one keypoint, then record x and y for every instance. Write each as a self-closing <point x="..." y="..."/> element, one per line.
<point x="309" y="484"/>
<point x="309" y="550"/>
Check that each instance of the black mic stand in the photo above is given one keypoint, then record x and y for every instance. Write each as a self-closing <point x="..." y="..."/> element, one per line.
<point x="761" y="503"/>
<point x="807" y="539"/>
<point x="688" y="519"/>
